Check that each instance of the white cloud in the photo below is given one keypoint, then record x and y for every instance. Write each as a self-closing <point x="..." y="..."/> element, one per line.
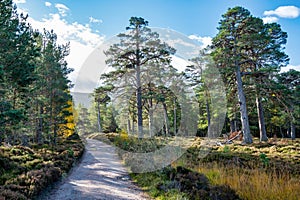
<point x="284" y="12"/>
<point x="83" y="40"/>
<point x="269" y="19"/>
<point x="19" y="1"/>
<point x="206" y="40"/>
<point x="94" y="20"/>
<point x="179" y="63"/>
<point x="287" y="68"/>
<point x="68" y="31"/>
<point x="62" y="9"/>
<point x="48" y="4"/>
<point x="78" y="54"/>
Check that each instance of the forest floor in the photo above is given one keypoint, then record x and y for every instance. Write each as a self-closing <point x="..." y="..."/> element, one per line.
<point x="99" y="175"/>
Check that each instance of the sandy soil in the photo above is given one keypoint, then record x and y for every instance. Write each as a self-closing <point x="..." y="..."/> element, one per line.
<point x="100" y="175"/>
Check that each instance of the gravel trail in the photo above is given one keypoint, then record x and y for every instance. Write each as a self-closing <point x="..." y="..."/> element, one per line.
<point x="100" y="175"/>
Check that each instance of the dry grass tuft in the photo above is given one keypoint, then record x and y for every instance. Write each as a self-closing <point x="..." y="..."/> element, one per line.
<point x="255" y="183"/>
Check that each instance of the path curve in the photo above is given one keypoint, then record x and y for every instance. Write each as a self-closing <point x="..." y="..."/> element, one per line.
<point x="100" y="175"/>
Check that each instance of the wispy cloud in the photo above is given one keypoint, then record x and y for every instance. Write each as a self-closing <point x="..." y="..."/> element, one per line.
<point x="269" y="19"/>
<point x="62" y="9"/>
<point x="284" y="12"/>
<point x="19" y="1"/>
<point x="204" y="40"/>
<point x="94" y="20"/>
<point x="48" y="4"/>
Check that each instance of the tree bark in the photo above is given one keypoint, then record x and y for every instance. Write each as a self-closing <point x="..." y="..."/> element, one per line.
<point x="166" y="120"/>
<point x="150" y="121"/>
<point x="288" y="132"/>
<point x="207" y="111"/>
<point x="133" y="127"/>
<point x="281" y="133"/>
<point x="128" y="126"/>
<point x="261" y="119"/>
<point x="293" y="131"/>
<point x="39" y="125"/>
<point x="233" y="126"/>
<point x="243" y="107"/>
<point x="175" y="117"/>
<point x="139" y="87"/>
<point x="139" y="103"/>
<point x="99" y="117"/>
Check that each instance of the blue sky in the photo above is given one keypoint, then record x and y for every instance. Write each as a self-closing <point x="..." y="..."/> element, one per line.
<point x="88" y="23"/>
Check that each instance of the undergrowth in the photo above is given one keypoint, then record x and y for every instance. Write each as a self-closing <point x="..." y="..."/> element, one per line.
<point x="258" y="171"/>
<point x="26" y="171"/>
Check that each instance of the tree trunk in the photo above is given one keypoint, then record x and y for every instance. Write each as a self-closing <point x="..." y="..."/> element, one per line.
<point x="233" y="125"/>
<point x="150" y="120"/>
<point x="208" y="112"/>
<point x="99" y="117"/>
<point x="175" y="117"/>
<point x="39" y="125"/>
<point x="139" y="86"/>
<point x="55" y="135"/>
<point x="261" y="119"/>
<point x="288" y="132"/>
<point x="281" y="133"/>
<point x="166" y="120"/>
<point x="139" y="105"/>
<point x="293" y="131"/>
<point x="128" y="126"/>
<point x="243" y="107"/>
<point x="133" y="127"/>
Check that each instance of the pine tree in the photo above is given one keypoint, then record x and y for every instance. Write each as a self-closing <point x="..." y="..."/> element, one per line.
<point x="288" y="92"/>
<point x="137" y="48"/>
<point x="17" y="56"/>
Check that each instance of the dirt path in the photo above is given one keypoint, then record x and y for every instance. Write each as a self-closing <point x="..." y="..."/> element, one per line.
<point x="100" y="175"/>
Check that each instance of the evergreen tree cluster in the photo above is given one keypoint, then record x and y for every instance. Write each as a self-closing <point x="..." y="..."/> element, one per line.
<point x="249" y="56"/>
<point x="35" y="103"/>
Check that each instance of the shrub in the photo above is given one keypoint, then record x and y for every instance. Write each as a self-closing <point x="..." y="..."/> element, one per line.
<point x="12" y="195"/>
<point x="24" y="172"/>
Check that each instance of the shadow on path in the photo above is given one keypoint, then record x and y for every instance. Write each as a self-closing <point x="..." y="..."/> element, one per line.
<point x="100" y="175"/>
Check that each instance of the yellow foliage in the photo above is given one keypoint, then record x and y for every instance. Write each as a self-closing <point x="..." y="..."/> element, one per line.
<point x="68" y="128"/>
<point x="124" y="135"/>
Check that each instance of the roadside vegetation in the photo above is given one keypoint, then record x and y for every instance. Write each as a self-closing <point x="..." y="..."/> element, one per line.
<point x="247" y="56"/>
<point x="38" y="137"/>
<point x="268" y="170"/>
<point x="38" y="140"/>
<point x="27" y="171"/>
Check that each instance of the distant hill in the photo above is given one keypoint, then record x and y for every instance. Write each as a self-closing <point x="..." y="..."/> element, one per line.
<point x="85" y="99"/>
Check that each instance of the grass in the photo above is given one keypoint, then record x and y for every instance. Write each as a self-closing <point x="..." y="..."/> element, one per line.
<point x="132" y="144"/>
<point x="257" y="171"/>
<point x="254" y="183"/>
